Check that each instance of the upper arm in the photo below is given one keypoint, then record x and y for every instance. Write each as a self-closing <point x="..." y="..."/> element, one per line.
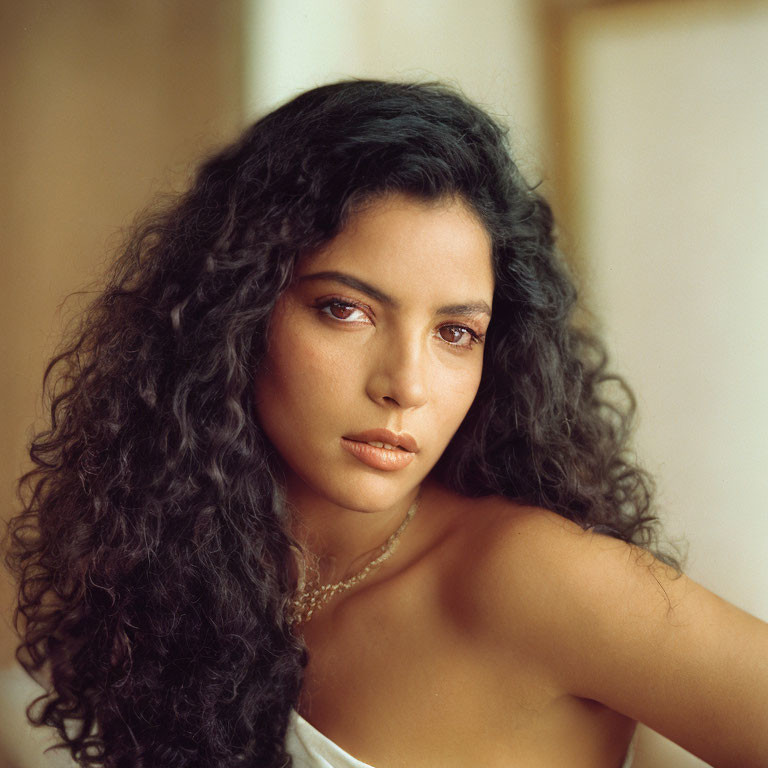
<point x="611" y="623"/>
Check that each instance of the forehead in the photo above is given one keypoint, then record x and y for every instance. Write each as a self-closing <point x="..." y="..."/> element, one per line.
<point x="410" y="246"/>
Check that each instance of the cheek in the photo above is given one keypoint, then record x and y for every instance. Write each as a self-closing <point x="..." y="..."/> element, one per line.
<point x="300" y="370"/>
<point x="317" y="370"/>
<point x="456" y="390"/>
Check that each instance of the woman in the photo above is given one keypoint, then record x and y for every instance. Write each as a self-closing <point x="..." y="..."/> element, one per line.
<point x="331" y="475"/>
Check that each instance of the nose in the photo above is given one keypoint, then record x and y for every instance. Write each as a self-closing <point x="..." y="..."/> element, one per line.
<point x="399" y="374"/>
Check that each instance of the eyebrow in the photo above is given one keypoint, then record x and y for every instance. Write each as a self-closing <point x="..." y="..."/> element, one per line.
<point x="469" y="308"/>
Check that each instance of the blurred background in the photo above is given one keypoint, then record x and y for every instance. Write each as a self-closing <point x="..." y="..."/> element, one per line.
<point x="644" y="120"/>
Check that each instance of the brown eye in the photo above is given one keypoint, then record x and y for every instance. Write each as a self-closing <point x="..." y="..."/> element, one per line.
<point x="459" y="336"/>
<point x="451" y="334"/>
<point x="341" y="311"/>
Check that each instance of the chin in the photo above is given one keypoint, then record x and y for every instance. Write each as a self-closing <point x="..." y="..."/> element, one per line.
<point x="366" y="491"/>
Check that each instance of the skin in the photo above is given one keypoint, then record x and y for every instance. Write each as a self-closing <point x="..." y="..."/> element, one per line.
<point x="496" y="635"/>
<point x="334" y="369"/>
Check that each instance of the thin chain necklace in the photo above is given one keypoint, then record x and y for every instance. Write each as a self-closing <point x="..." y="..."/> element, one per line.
<point x="311" y="598"/>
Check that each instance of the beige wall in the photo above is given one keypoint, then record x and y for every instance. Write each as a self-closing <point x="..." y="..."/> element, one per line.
<point x="490" y="50"/>
<point x="670" y="114"/>
<point x="105" y="103"/>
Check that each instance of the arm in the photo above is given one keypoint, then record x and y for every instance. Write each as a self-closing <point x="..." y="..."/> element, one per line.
<point x="615" y="625"/>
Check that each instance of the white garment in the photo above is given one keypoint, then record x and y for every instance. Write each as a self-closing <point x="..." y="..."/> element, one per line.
<point x="311" y="749"/>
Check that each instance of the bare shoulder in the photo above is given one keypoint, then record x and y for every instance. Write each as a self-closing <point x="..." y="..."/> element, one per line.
<point x="605" y="620"/>
<point x="554" y="558"/>
<point x="531" y="571"/>
<point x="558" y="577"/>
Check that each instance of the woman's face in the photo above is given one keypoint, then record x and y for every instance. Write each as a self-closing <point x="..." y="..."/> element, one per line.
<point x="381" y="329"/>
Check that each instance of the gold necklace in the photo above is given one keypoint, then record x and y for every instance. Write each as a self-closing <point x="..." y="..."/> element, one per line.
<point x="310" y="599"/>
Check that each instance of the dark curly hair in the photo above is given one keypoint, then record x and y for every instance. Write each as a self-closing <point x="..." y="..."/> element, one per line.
<point x="151" y="551"/>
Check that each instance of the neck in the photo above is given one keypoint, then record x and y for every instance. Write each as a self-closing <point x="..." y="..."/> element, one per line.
<point x="339" y="539"/>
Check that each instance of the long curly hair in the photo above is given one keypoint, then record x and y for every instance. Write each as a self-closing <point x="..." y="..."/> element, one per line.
<point x="152" y="547"/>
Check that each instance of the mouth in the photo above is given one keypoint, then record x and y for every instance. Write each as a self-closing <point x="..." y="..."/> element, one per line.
<point x="386" y="440"/>
<point x="378" y="454"/>
<point x="386" y="446"/>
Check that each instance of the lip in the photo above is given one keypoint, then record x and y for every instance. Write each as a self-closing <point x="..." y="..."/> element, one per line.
<point x="386" y="459"/>
<point x="403" y="440"/>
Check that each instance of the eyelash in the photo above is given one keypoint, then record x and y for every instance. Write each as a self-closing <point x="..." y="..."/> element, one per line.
<point x="323" y="304"/>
